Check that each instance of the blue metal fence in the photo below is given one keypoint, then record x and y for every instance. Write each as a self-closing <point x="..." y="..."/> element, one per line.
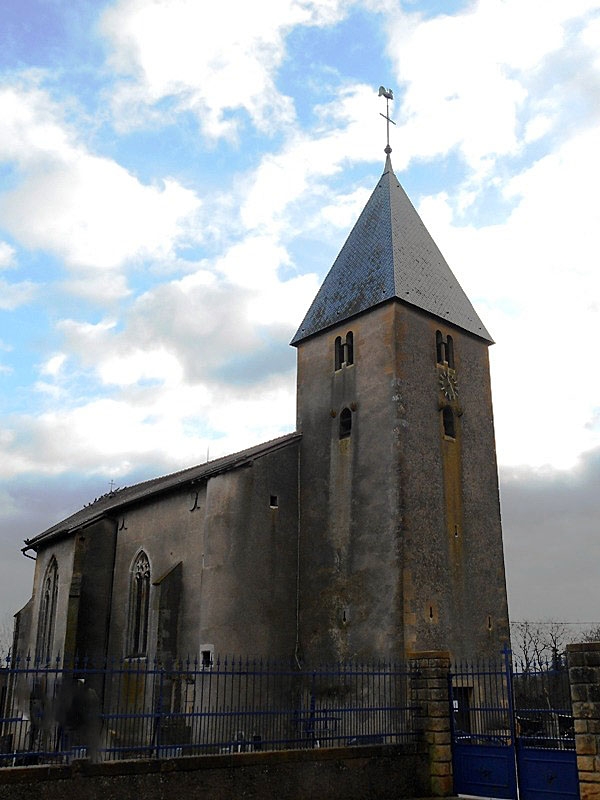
<point x="138" y="709"/>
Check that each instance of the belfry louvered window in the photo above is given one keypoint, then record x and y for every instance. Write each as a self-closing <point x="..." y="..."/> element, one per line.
<point x="344" y="351"/>
<point x="444" y="347"/>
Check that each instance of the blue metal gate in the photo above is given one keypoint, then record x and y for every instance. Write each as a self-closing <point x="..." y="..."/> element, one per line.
<point x="545" y="738"/>
<point x="512" y="729"/>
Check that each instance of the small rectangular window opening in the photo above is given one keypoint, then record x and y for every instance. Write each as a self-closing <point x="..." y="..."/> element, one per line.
<point x="206" y="659"/>
<point x="345" y="423"/>
<point x="448" y="421"/>
<point x="274" y="502"/>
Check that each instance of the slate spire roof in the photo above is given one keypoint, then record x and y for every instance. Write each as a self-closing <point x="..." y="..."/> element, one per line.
<point x="389" y="254"/>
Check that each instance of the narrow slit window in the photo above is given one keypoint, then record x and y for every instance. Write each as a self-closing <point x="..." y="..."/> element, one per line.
<point x="345" y="423"/>
<point x="274" y="502"/>
<point x="448" y="420"/>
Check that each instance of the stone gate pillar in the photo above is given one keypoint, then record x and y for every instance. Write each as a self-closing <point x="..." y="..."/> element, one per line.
<point x="430" y="694"/>
<point x="584" y="677"/>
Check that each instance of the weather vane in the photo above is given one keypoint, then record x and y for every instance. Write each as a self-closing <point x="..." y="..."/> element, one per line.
<point x="389" y="95"/>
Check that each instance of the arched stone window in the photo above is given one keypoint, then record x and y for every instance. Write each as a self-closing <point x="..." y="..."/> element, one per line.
<point x="139" y="606"/>
<point x="344" y="351"/>
<point x="345" y="423"/>
<point x="450" y="351"/>
<point x="47" y="616"/>
<point x="349" y="346"/>
<point x="439" y="348"/>
<point x="339" y="353"/>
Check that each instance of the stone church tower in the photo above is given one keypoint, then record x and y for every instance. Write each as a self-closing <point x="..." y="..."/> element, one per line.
<point x="400" y="535"/>
<point x="371" y="531"/>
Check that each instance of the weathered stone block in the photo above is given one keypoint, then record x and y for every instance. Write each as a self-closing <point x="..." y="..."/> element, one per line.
<point x="441" y="768"/>
<point x="441" y="786"/>
<point x="586" y="763"/>
<point x="589" y="791"/>
<point x="440" y="694"/>
<point x="583" y="647"/>
<point x="581" y="726"/>
<point x="586" y="744"/>
<point x="594" y="692"/>
<point x="586" y="710"/>
<point x="441" y="752"/>
<point x="437" y="708"/>
<point x="579" y="693"/>
<point x="576" y="659"/>
<point x="438" y="724"/>
<point x="583" y="675"/>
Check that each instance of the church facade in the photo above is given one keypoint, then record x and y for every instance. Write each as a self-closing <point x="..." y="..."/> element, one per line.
<point x="373" y="530"/>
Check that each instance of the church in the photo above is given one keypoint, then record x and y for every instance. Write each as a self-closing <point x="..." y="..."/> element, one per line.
<point x="373" y="530"/>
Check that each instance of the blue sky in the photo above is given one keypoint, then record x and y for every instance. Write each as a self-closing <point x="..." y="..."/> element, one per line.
<point x="177" y="178"/>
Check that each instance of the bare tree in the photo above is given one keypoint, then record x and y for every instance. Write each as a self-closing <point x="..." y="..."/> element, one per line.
<point x="590" y="635"/>
<point x="6" y="637"/>
<point x="539" y="645"/>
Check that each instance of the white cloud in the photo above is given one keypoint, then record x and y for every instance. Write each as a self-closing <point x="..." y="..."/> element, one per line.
<point x="87" y="209"/>
<point x="53" y="365"/>
<point x="296" y="174"/>
<point x="107" y="286"/>
<point x="490" y="68"/>
<point x="183" y="342"/>
<point x="344" y="212"/>
<point x="7" y="255"/>
<point x="535" y="282"/>
<point x="172" y="426"/>
<point x="189" y="329"/>
<point x="212" y="58"/>
<point x="17" y="293"/>
<point x="13" y="295"/>
<point x="141" y="365"/>
<point x="537" y="127"/>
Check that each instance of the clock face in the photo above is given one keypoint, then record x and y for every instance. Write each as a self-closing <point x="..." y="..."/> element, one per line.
<point x="448" y="384"/>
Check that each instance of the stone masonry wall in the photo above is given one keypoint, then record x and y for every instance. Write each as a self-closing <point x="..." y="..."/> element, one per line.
<point x="351" y="773"/>
<point x="584" y="677"/>
<point x="430" y="695"/>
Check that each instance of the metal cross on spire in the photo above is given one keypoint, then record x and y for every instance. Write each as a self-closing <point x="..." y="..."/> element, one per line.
<point x="389" y="95"/>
